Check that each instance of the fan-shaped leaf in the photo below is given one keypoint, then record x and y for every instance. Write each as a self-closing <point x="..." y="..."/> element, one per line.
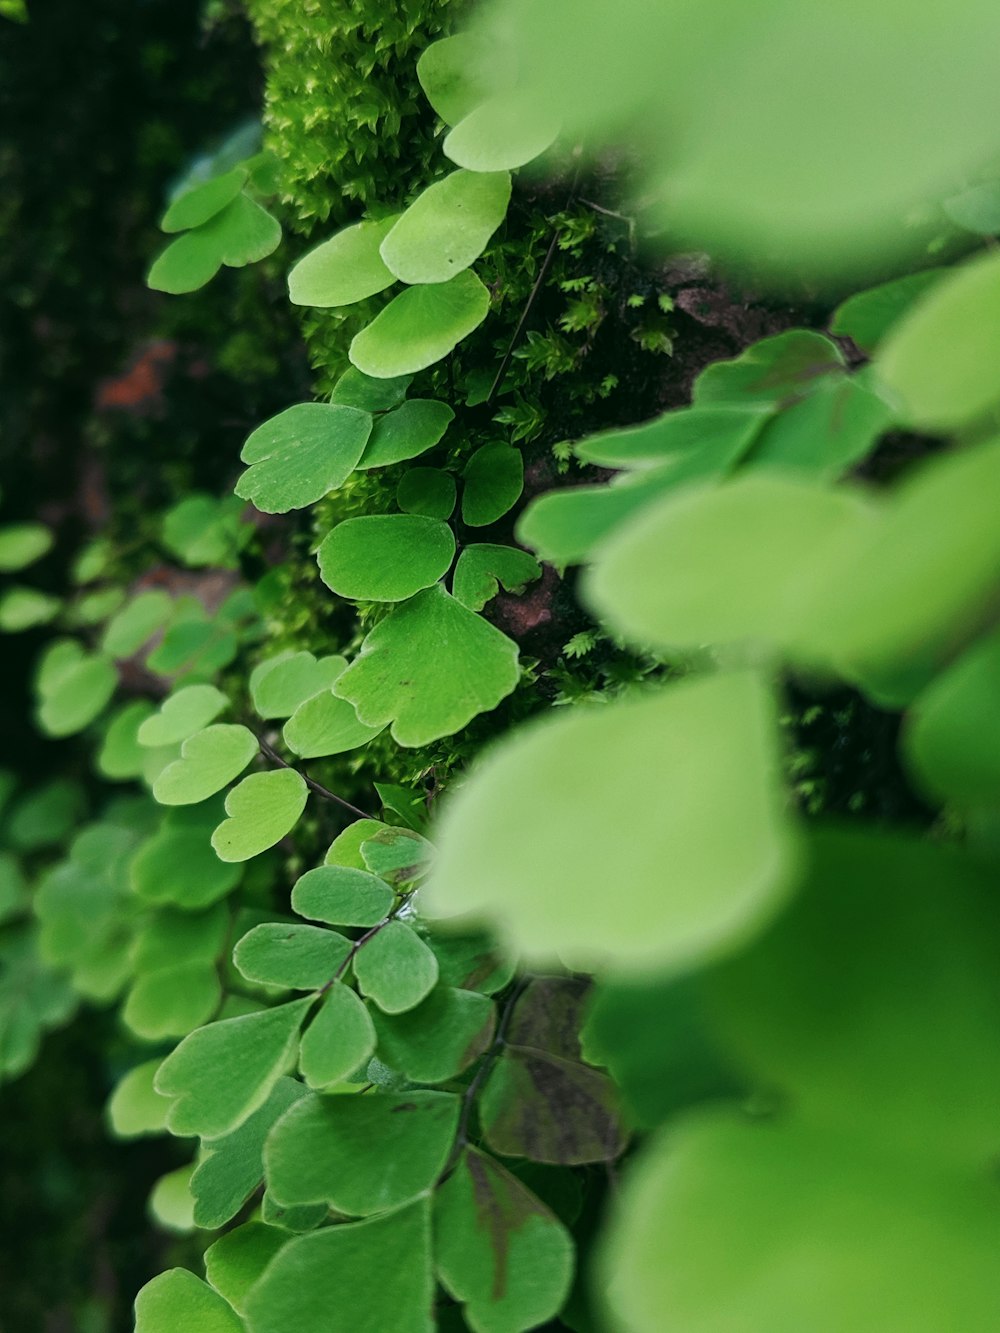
<point x="344" y="269"/>
<point x="339" y="1040"/>
<point x="280" y="685"/>
<point x="209" y="761"/>
<point x="395" y="968"/>
<point x="420" y="326"/>
<point x="262" y="809"/>
<point x="182" y="714"/>
<point x="342" y="896"/>
<point x="447" y="227"/>
<point x="412" y="429"/>
<point x="482" y="569"/>
<point x="385" y="557"/>
<point x="293" y="956"/>
<point x="301" y="455"/>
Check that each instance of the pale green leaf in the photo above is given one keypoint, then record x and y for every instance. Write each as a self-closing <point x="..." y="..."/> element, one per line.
<point x="291" y="955"/>
<point x="21" y="544"/>
<point x="342" y="896"/>
<point x="325" y="725"/>
<point x="401" y="676"/>
<point x="866" y="317"/>
<point x="209" y="761"/>
<point x="261" y="809"/>
<point x="172" y="1001"/>
<point x="177" y="864"/>
<point x="77" y="696"/>
<point x="279" y="685"/>
<point x="178" y="1302"/>
<point x="137" y="622"/>
<point x="533" y="839"/>
<point x="505" y="132"/>
<point x="240" y="234"/>
<point x="447" y="227"/>
<point x="170" y="1201"/>
<point x="198" y="205"/>
<point x="826" y="433"/>
<point x="344" y="269"/>
<point x="420" y="326"/>
<point x="385" y="557"/>
<point x="220" y="1074"/>
<point x="182" y="714"/>
<point x="395" y="968"/>
<point x="460" y="72"/>
<point x="238" y="1258"/>
<point x="301" y="455"/>
<point x="696" y="437"/>
<point x="333" y="1149"/>
<point x="26" y="608"/>
<point x="345" y="850"/>
<point x="136" y="1107"/>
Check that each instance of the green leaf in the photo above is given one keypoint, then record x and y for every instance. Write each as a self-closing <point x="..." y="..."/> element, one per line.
<point x="305" y="1218"/>
<point x="420" y="326"/>
<point x="866" y="317"/>
<point x="354" y="389"/>
<point x="397" y="855"/>
<point x="240" y="234"/>
<point x="182" y="714"/>
<point x="533" y="838"/>
<point x="168" y="937"/>
<point x="447" y="227"/>
<point x="301" y="455"/>
<point x="209" y="761"/>
<point x="936" y="363"/>
<point x="196" y="206"/>
<point x="344" y="269"/>
<point x="342" y="896"/>
<point x="498" y="1249"/>
<point x="385" y="557"/>
<point x="482" y="569"/>
<point x="506" y="132"/>
<point x="401" y="676"/>
<point x="395" y="968"/>
<point x="439" y="1038"/>
<point x="742" y="1209"/>
<point x="748" y="562"/>
<point x="696" y="437"/>
<point x="171" y="1001"/>
<point x="176" y="1301"/>
<point x="826" y="433"/>
<point x="25" y="608"/>
<point x="976" y="209"/>
<point x="261" y="809"/>
<point x="325" y="725"/>
<point x="339" y="1040"/>
<point x="345" y="850"/>
<point x="869" y="1060"/>
<point x="565" y="526"/>
<point x="177" y="864"/>
<point x="494" y="480"/>
<point x="279" y="685"/>
<point x="412" y="429"/>
<point x="334" y="1149"/>
<point x="458" y="73"/>
<point x="359" y="1277"/>
<point x="427" y="491"/>
<point x="220" y="1074"/>
<point x="772" y="372"/>
<point x="136" y="623"/>
<point x="74" y="696"/>
<point x="230" y="1168"/>
<point x="952" y="737"/>
<point x="237" y="1259"/>
<point x="549" y="1109"/>
<point x="21" y="544"/>
<point x="470" y="961"/>
<point x="136" y="1107"/>
<point x="409" y="803"/>
<point x="293" y="956"/>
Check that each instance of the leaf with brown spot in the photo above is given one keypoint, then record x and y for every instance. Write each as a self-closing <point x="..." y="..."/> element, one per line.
<point x="552" y="1110"/>
<point x="498" y="1249"/>
<point x="549" y="1014"/>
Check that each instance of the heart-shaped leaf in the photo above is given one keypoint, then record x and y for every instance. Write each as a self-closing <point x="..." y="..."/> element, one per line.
<point x="177" y="1300"/>
<point x="412" y="429"/>
<point x="395" y="968"/>
<point x="494" y="480"/>
<point x="671" y="760"/>
<point x="427" y="491"/>
<point x="482" y="569"/>
<point x="447" y="227"/>
<point x="293" y="956"/>
<point x="325" y="725"/>
<point x="401" y="676"/>
<point x="171" y="1001"/>
<point x="498" y="1249"/>
<point x="182" y="714"/>
<point x="373" y="1275"/>
<point x="240" y="234"/>
<point x="137" y="622"/>
<point x="420" y="326"/>
<point x="177" y="864"/>
<point x="238" y="1258"/>
<point x="209" y="761"/>
<point x="508" y="131"/>
<point x="301" y="455"/>
<point x="439" y="1038"/>
<point x="280" y="685"/>
<point x="220" y="1074"/>
<point x="339" y="1040"/>
<point x="385" y="557"/>
<point x="342" y="896"/>
<point x="344" y="269"/>
<point x="333" y="1149"/>
<point x="262" y="809"/>
<point x="76" y="694"/>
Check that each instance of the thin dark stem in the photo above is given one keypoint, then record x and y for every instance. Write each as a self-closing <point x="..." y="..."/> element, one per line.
<point x="311" y="783"/>
<point x="550" y="254"/>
